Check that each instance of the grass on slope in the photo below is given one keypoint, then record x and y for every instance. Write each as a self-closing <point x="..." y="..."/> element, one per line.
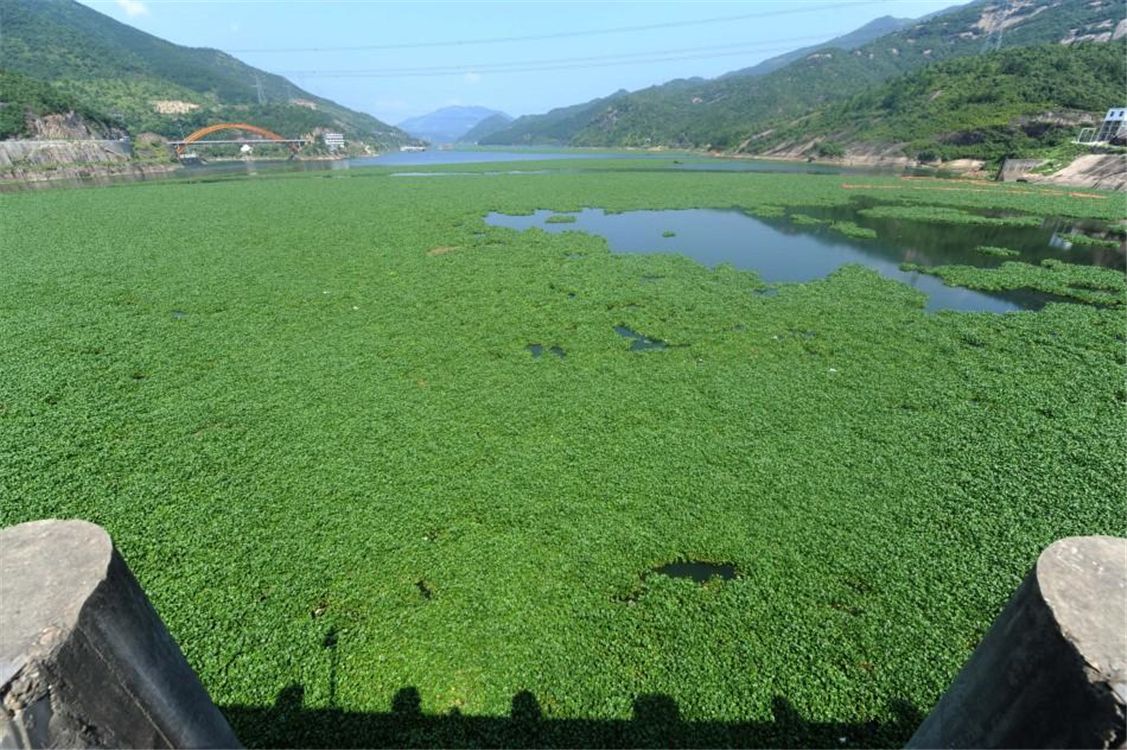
<point x="354" y="495"/>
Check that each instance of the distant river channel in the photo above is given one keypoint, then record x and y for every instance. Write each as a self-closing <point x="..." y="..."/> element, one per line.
<point x="430" y="158"/>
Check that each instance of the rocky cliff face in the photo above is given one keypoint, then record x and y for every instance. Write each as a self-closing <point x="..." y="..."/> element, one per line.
<point x="69" y="126"/>
<point x="1103" y="171"/>
<point x="64" y="140"/>
<point x="38" y="155"/>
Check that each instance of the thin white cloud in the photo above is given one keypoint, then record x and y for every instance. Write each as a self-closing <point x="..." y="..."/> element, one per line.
<point x="133" y="8"/>
<point x="392" y="105"/>
<point x="472" y="77"/>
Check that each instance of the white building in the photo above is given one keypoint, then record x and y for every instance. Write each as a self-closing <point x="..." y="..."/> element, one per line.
<point x="1114" y="125"/>
<point x="333" y="140"/>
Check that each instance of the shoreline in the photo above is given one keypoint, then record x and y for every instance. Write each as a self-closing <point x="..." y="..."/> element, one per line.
<point x="98" y="173"/>
<point x="82" y="171"/>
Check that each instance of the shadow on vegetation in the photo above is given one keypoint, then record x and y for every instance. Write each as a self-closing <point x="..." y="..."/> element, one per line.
<point x="656" y="723"/>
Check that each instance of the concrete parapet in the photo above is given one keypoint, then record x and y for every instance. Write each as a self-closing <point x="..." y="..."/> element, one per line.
<point x="1052" y="670"/>
<point x="85" y="660"/>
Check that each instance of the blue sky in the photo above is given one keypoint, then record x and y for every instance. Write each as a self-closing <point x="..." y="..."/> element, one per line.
<point x="407" y="59"/>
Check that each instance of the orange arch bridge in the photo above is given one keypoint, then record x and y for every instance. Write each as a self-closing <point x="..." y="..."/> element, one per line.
<point x="269" y="135"/>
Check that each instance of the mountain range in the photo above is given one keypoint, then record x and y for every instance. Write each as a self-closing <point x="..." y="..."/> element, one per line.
<point x="736" y="111"/>
<point x="987" y="79"/>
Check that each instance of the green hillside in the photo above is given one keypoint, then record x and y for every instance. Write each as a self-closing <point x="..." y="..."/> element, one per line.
<point x="486" y="127"/>
<point x="555" y="128"/>
<point x="872" y="30"/>
<point x="119" y="73"/>
<point x="25" y="97"/>
<point x="1014" y="101"/>
<point x="722" y="113"/>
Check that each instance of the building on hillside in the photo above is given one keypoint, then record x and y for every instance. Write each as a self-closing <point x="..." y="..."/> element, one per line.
<point x="1112" y="130"/>
<point x="333" y="140"/>
<point x="1114" y="125"/>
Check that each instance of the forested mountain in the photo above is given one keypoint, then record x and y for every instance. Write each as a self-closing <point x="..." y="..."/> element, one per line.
<point x="724" y="113"/>
<point x="989" y="106"/>
<point x="557" y="127"/>
<point x="127" y="78"/>
<point x="449" y="124"/>
<point x="486" y="127"/>
<point x="21" y="96"/>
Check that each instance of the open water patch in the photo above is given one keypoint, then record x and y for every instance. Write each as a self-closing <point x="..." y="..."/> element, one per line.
<point x="699" y="571"/>
<point x="640" y="343"/>
<point x="783" y="249"/>
<point x="538" y="351"/>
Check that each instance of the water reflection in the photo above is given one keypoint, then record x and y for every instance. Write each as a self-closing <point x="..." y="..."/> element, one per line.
<point x="213" y="170"/>
<point x="781" y="251"/>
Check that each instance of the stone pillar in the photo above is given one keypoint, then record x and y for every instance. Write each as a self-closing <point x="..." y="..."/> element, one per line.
<point x="1052" y="670"/>
<point x="85" y="660"/>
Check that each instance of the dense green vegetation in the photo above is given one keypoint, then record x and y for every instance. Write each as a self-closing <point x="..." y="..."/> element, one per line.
<point x="732" y="112"/>
<point x="22" y="97"/>
<point x="997" y="252"/>
<point x="948" y="215"/>
<point x="1090" y="284"/>
<point x="308" y="414"/>
<point x="102" y="66"/>
<point x="986" y="106"/>
<point x="1085" y="240"/>
<point x="852" y="229"/>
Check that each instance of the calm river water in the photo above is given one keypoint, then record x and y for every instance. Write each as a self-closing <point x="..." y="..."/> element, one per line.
<point x="437" y="157"/>
<point x="781" y="251"/>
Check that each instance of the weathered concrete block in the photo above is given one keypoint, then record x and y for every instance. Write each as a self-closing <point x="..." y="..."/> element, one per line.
<point x="85" y="660"/>
<point x="1052" y="670"/>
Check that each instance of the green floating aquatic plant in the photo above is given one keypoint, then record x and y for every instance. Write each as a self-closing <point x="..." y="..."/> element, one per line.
<point x="998" y="252"/>
<point x="371" y="516"/>
<point x="806" y="220"/>
<point x="767" y="212"/>
<point x="1090" y="284"/>
<point x="1078" y="238"/>
<point x="851" y="229"/>
<point x="947" y="215"/>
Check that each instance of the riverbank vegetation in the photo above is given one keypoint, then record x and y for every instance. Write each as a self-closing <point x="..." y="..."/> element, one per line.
<point x="309" y="412"/>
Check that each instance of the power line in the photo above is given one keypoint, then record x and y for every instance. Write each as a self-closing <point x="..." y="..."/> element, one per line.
<point x="994" y="38"/>
<point x="463" y="71"/>
<point x="561" y="34"/>
<point x="691" y="53"/>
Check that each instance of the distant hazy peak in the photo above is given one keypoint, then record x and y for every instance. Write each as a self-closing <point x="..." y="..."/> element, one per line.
<point x="449" y="124"/>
